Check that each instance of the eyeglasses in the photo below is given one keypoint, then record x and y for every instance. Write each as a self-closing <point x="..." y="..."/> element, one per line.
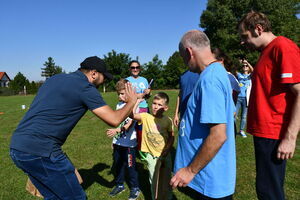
<point x="137" y="67"/>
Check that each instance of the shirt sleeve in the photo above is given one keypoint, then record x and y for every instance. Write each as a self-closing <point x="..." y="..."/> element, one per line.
<point x="213" y="101"/>
<point x="287" y="56"/>
<point x="147" y="83"/>
<point x="92" y="98"/>
<point x="234" y="83"/>
<point x="143" y="117"/>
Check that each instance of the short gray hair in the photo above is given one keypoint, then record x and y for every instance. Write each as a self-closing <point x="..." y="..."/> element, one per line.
<point x="195" y="39"/>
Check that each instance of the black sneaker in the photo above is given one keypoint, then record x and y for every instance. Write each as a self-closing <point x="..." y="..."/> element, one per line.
<point x="117" y="190"/>
<point x="134" y="194"/>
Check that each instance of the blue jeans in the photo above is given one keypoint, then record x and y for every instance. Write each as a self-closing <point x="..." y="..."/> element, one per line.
<point x="125" y="158"/>
<point x="53" y="176"/>
<point x="242" y="103"/>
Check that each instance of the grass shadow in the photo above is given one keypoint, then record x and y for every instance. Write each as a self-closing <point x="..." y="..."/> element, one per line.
<point x="91" y="176"/>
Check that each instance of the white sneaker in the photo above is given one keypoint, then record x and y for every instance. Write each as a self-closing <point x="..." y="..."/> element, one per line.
<point x="243" y="134"/>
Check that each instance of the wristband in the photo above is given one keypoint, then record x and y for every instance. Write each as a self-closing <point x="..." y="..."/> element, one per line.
<point x="123" y="129"/>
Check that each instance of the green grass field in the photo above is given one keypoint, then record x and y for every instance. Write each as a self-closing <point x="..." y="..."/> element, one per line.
<point x="90" y="151"/>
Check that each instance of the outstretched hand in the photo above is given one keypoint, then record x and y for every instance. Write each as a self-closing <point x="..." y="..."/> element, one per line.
<point x="130" y="93"/>
<point x="111" y="132"/>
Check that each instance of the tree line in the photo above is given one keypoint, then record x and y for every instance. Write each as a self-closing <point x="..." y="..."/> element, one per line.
<point x="164" y="76"/>
<point x="219" y="22"/>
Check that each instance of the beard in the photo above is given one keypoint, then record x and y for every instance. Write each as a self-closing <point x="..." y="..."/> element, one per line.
<point x="96" y="84"/>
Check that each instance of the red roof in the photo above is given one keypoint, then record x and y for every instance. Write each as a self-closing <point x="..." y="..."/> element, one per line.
<point x="2" y="74"/>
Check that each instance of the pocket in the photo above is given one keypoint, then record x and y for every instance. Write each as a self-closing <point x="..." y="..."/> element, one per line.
<point x="23" y="156"/>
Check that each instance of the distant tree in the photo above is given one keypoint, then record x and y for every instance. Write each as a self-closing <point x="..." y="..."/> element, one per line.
<point x="33" y="87"/>
<point x="18" y="83"/>
<point x="50" y="68"/>
<point x="117" y="64"/>
<point x="153" y="70"/>
<point x="173" y="69"/>
<point x="220" y="20"/>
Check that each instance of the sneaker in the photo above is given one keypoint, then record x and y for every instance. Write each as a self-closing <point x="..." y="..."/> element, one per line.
<point x="243" y="134"/>
<point x="117" y="190"/>
<point x="134" y="194"/>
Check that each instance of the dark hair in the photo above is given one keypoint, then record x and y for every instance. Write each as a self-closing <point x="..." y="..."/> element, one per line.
<point x="134" y="61"/>
<point x="120" y="85"/>
<point x="162" y="95"/>
<point x="251" y="19"/>
<point x="221" y="56"/>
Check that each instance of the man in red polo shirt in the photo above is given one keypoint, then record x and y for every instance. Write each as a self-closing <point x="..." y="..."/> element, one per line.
<point x="274" y="107"/>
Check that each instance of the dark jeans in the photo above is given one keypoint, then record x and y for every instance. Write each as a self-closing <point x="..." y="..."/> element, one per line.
<point x="270" y="172"/>
<point x="242" y="104"/>
<point x="202" y="197"/>
<point x="193" y="194"/>
<point x="196" y="195"/>
<point x="54" y="177"/>
<point x="125" y="158"/>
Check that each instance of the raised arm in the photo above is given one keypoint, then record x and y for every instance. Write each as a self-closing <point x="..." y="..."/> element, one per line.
<point x="115" y="117"/>
<point x="135" y="115"/>
<point x="249" y="65"/>
<point x="206" y="153"/>
<point x="111" y="132"/>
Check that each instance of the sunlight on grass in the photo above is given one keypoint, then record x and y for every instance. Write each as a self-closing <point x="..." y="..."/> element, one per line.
<point x="90" y="151"/>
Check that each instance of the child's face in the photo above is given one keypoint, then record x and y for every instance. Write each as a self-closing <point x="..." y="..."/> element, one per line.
<point x="121" y="95"/>
<point x="158" y="107"/>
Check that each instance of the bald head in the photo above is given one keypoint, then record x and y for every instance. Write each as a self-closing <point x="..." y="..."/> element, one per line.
<point x="194" y="39"/>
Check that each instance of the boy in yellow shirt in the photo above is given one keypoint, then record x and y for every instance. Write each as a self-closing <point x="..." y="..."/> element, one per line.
<point x="157" y="141"/>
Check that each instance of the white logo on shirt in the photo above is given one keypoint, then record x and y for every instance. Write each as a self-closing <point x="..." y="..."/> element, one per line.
<point x="182" y="127"/>
<point x="287" y="75"/>
<point x="142" y="86"/>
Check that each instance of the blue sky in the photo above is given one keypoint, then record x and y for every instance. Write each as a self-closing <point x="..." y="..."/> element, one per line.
<point x="71" y="30"/>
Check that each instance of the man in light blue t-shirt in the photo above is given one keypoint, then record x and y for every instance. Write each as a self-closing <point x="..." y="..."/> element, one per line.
<point x="205" y="158"/>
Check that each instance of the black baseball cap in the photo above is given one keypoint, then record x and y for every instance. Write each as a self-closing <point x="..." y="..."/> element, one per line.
<point x="97" y="64"/>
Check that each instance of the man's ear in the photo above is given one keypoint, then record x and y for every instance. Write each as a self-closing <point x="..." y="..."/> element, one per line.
<point x="93" y="74"/>
<point x="259" y="29"/>
<point x="189" y="53"/>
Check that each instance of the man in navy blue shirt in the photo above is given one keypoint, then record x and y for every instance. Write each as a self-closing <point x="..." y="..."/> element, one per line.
<point x="60" y="103"/>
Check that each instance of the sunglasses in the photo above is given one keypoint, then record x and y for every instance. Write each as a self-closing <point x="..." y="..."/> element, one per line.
<point x="137" y="67"/>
